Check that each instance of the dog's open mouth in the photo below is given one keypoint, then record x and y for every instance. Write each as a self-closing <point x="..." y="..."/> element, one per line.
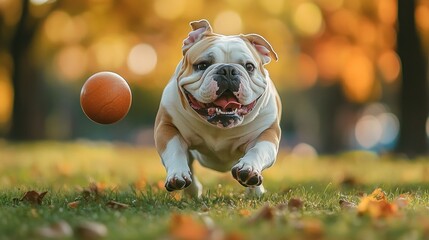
<point x="225" y="111"/>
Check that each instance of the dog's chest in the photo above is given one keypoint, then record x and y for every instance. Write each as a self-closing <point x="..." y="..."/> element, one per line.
<point x="216" y="153"/>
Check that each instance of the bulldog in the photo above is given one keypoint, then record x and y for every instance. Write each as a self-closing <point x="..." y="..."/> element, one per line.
<point x="221" y="108"/>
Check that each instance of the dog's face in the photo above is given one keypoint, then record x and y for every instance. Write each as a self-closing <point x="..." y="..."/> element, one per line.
<point x="222" y="77"/>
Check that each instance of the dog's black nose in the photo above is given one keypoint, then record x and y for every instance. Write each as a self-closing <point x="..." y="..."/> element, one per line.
<point x="227" y="78"/>
<point x="228" y="71"/>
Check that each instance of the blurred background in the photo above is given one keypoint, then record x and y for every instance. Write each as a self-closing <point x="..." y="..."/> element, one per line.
<point x="352" y="74"/>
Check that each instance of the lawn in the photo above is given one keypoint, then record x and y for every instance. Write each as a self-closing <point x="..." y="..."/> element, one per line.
<point x="115" y="191"/>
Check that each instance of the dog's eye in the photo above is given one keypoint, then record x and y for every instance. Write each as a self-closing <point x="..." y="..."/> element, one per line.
<point x="202" y="66"/>
<point x="250" y="67"/>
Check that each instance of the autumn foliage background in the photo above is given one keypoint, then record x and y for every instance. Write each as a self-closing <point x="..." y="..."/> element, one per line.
<point x="344" y="78"/>
<point x="339" y="74"/>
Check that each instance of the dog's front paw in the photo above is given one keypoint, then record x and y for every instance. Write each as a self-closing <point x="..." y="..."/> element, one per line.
<point x="178" y="181"/>
<point x="246" y="175"/>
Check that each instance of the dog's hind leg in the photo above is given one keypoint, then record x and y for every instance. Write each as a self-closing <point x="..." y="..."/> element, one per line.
<point x="194" y="190"/>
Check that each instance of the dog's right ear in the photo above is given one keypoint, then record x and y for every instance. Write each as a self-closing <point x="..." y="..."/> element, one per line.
<point x="200" y="29"/>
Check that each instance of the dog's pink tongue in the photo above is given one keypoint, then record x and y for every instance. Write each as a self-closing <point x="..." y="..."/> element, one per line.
<point x="227" y="102"/>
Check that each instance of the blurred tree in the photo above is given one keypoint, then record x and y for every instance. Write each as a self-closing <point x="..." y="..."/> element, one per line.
<point x="27" y="120"/>
<point x="414" y="91"/>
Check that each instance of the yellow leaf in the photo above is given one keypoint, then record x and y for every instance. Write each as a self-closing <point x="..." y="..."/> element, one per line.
<point x="376" y="205"/>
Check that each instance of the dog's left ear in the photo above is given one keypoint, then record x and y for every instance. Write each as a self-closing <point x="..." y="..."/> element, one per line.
<point x="262" y="47"/>
<point x="200" y="29"/>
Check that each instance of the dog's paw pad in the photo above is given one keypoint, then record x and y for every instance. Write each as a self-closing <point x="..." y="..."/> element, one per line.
<point x="177" y="183"/>
<point x="247" y="176"/>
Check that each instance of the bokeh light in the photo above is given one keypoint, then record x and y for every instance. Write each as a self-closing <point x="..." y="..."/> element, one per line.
<point x="60" y="27"/>
<point x="307" y="71"/>
<point x="275" y="7"/>
<point x="169" y="9"/>
<point x="6" y="96"/>
<point x="368" y="131"/>
<point x="389" y="65"/>
<point x="71" y="62"/>
<point x="387" y="11"/>
<point x="307" y="19"/>
<point x="304" y="150"/>
<point x="142" y="59"/>
<point x="377" y="127"/>
<point x="110" y="52"/>
<point x="358" y="76"/>
<point x="421" y="15"/>
<point x="228" y="22"/>
<point x="390" y="127"/>
<point x="41" y="2"/>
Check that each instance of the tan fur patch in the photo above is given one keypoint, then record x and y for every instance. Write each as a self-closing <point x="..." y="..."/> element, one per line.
<point x="272" y="134"/>
<point x="164" y="129"/>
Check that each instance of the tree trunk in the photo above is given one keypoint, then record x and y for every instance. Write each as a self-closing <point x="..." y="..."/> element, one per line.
<point x="413" y="95"/>
<point x="27" y="115"/>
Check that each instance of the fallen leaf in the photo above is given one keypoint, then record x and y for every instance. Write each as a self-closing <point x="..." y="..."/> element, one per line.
<point x="346" y="205"/>
<point x="116" y="205"/>
<point x="312" y="228"/>
<point x="91" y="230"/>
<point x="266" y="213"/>
<point x="295" y="204"/>
<point x="376" y="205"/>
<point x="86" y="194"/>
<point x="244" y="212"/>
<point x="73" y="204"/>
<point x="59" y="229"/>
<point x="96" y="188"/>
<point x="33" y="197"/>
<point x="186" y="227"/>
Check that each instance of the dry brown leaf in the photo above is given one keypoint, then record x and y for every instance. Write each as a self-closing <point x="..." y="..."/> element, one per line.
<point x="346" y="205"/>
<point x="186" y="227"/>
<point x="96" y="188"/>
<point x="33" y="197"/>
<point x="116" y="205"/>
<point x="266" y="213"/>
<point x="91" y="230"/>
<point x="295" y="204"/>
<point x="59" y="229"/>
<point x="73" y="204"/>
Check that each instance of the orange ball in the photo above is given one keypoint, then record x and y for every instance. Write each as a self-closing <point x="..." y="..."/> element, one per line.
<point x="105" y="97"/>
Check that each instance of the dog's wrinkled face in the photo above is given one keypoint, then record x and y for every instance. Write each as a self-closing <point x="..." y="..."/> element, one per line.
<point x="222" y="79"/>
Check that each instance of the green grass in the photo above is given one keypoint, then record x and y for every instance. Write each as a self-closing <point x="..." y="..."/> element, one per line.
<point x="134" y="176"/>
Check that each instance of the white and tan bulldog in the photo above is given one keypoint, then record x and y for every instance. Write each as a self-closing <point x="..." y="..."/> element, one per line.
<point x="220" y="108"/>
